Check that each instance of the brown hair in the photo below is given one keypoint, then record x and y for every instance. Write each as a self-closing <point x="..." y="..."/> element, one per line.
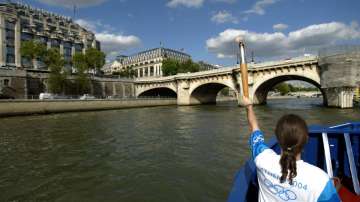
<point x="292" y="134"/>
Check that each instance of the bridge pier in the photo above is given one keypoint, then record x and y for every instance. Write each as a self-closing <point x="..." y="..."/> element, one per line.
<point x="183" y="93"/>
<point x="341" y="97"/>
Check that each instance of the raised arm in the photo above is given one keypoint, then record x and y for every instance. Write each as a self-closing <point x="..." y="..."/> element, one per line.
<point x="256" y="140"/>
<point x="253" y="124"/>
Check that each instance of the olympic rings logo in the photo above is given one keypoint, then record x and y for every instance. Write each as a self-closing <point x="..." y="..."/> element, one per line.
<point x="281" y="192"/>
<point x="257" y="139"/>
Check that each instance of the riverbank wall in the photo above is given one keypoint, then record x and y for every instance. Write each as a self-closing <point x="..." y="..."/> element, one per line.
<point x="31" y="107"/>
<point x="29" y="83"/>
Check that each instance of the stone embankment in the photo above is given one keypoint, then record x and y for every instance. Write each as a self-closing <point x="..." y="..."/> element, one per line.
<point x="30" y="107"/>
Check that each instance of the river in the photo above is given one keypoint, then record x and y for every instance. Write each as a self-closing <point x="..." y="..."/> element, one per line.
<point x="144" y="154"/>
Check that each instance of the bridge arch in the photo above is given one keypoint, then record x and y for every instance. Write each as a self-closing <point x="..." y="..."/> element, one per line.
<point x="206" y="93"/>
<point x="158" y="92"/>
<point x="262" y="88"/>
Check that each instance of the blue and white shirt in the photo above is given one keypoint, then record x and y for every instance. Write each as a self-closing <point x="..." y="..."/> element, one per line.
<point x="310" y="184"/>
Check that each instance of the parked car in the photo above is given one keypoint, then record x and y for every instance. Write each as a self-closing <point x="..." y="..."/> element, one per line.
<point x="87" y="97"/>
<point x="46" y="96"/>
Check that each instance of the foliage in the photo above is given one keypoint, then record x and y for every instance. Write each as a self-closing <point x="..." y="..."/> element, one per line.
<point x="33" y="50"/>
<point x="189" y="66"/>
<point x="57" y="76"/>
<point x="285" y="88"/>
<point x="80" y="63"/>
<point x="82" y="80"/>
<point x="95" y="59"/>
<point x="127" y="72"/>
<point x="225" y="91"/>
<point x="172" y="67"/>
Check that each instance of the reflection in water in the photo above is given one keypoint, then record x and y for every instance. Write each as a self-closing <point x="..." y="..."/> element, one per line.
<point x="148" y="154"/>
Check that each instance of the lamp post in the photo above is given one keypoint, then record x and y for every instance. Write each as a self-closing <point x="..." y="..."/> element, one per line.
<point x="243" y="66"/>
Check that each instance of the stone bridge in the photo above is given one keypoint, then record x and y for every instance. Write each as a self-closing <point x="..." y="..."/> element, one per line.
<point x="203" y="87"/>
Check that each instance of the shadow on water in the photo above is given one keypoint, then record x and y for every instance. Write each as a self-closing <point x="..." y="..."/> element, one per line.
<point x="151" y="154"/>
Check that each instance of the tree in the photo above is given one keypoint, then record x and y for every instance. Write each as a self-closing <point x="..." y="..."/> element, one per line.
<point x="57" y="76"/>
<point x="189" y="66"/>
<point x="33" y="51"/>
<point x="172" y="67"/>
<point x="95" y="59"/>
<point x="81" y="65"/>
<point x="283" y="88"/>
<point x="92" y="60"/>
<point x="126" y="72"/>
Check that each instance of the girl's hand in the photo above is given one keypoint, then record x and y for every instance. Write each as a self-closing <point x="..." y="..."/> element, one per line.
<point x="246" y="101"/>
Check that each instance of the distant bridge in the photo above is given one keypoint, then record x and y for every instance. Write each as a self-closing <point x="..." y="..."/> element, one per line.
<point x="203" y="87"/>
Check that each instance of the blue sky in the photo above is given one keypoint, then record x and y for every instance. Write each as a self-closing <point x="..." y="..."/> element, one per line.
<point x="206" y="29"/>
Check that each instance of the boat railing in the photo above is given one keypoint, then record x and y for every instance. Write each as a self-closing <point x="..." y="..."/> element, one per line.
<point x="345" y="129"/>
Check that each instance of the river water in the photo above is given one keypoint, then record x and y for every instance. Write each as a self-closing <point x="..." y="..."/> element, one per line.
<point x="144" y="154"/>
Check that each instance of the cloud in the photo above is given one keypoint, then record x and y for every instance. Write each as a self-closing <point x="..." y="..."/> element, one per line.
<point x="71" y="3"/>
<point x="185" y="3"/>
<point x="225" y="1"/>
<point x="259" y="7"/>
<point x="277" y="44"/>
<point x="194" y="3"/>
<point x="111" y="43"/>
<point x="114" y="43"/>
<point x="280" y="27"/>
<point x="223" y="17"/>
<point x="90" y="25"/>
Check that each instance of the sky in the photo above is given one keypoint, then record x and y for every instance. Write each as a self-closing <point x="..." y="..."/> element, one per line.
<point x="206" y="29"/>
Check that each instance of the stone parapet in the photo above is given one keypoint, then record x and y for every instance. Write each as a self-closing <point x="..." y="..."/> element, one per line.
<point x="29" y="107"/>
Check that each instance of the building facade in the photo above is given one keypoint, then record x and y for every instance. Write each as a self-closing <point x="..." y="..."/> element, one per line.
<point x="206" y="66"/>
<point x="19" y="22"/>
<point x="147" y="63"/>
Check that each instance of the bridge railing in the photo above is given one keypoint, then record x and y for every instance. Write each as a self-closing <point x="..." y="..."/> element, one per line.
<point x="282" y="62"/>
<point x="76" y="97"/>
<point x="263" y="65"/>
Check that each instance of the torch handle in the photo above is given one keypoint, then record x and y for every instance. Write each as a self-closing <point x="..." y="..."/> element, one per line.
<point x="244" y="79"/>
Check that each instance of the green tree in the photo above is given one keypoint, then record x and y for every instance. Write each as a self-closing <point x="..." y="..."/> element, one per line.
<point x="57" y="76"/>
<point x="81" y="65"/>
<point x="33" y="50"/>
<point x="172" y="67"/>
<point x="95" y="59"/>
<point x="127" y="72"/>
<point x="189" y="66"/>
<point x="283" y="88"/>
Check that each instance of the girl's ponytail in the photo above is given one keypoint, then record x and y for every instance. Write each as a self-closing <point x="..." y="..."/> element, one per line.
<point x="292" y="133"/>
<point x="288" y="166"/>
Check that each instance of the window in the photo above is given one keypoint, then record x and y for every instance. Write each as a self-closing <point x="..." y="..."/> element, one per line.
<point x="39" y="27"/>
<point x="78" y="47"/>
<point x="10" y="58"/>
<point x="55" y="43"/>
<point x="6" y="82"/>
<point x="10" y="50"/>
<point x="10" y="34"/>
<point x="42" y="39"/>
<point x="9" y="25"/>
<point x="26" y="36"/>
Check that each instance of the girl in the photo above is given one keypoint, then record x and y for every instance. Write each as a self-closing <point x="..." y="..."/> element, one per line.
<point x="286" y="177"/>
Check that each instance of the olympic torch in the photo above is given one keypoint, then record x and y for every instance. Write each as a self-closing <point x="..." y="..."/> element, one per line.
<point x="243" y="67"/>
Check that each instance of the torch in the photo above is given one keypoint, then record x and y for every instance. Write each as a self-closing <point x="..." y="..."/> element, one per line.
<point x="243" y="66"/>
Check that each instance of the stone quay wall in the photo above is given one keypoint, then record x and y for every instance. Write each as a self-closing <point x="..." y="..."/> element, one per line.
<point x="30" y="107"/>
<point x="28" y="84"/>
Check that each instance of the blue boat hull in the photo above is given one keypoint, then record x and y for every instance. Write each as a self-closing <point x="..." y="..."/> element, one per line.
<point x="245" y="186"/>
